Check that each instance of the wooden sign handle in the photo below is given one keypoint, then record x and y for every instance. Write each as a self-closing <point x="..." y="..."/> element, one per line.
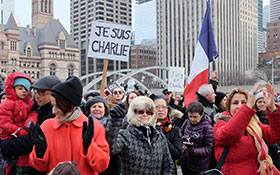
<point x="105" y="66"/>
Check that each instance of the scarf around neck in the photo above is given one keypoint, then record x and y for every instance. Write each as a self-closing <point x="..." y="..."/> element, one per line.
<point x="75" y="114"/>
<point x="266" y="164"/>
<point x="103" y="120"/>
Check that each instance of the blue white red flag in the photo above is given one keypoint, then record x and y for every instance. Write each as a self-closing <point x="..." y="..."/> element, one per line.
<point x="269" y="62"/>
<point x="205" y="52"/>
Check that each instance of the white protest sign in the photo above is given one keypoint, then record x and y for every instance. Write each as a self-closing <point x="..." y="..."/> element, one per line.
<point x="109" y="41"/>
<point x="130" y="85"/>
<point x="176" y="79"/>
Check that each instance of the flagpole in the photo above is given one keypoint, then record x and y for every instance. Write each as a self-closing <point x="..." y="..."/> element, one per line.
<point x="272" y="74"/>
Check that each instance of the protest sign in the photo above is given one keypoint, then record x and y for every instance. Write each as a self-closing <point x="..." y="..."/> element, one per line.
<point x="130" y="85"/>
<point x="109" y="41"/>
<point x="114" y="85"/>
<point x="176" y="79"/>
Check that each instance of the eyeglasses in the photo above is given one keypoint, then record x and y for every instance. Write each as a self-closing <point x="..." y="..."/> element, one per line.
<point x="141" y="112"/>
<point x="117" y="92"/>
<point x="167" y="93"/>
<point x="161" y="107"/>
<point x="40" y="92"/>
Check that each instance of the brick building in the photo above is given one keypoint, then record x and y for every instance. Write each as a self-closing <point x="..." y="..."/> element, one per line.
<point x="44" y="49"/>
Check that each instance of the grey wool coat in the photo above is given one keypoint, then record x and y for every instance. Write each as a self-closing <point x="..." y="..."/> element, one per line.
<point x="139" y="154"/>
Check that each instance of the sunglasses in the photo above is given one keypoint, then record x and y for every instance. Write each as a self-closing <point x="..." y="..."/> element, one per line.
<point x="141" y="112"/>
<point x="117" y="92"/>
<point x="167" y="93"/>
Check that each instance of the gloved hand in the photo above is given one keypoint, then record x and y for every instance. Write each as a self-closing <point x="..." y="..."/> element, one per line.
<point x="88" y="133"/>
<point x="38" y="138"/>
<point x="118" y="111"/>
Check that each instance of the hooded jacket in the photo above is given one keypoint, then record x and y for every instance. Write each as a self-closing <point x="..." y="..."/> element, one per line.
<point x="197" y="158"/>
<point x="15" y="114"/>
<point x="231" y="131"/>
<point x="142" y="150"/>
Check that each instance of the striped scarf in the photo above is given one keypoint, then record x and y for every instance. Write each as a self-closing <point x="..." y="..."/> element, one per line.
<point x="264" y="159"/>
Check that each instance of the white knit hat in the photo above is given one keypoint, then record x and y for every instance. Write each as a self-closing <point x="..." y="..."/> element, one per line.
<point x="259" y="95"/>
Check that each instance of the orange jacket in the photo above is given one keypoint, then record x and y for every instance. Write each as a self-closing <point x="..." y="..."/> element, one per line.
<point x="65" y="143"/>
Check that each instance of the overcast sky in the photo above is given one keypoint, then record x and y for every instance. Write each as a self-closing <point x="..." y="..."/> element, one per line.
<point x="61" y="11"/>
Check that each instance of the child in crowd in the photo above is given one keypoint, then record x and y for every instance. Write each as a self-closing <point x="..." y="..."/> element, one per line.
<point x="15" y="114"/>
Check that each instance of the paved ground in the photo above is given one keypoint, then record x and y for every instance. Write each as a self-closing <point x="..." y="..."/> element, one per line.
<point x="179" y="172"/>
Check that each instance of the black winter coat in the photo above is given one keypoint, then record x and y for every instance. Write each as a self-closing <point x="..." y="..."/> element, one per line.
<point x="174" y="141"/>
<point x="208" y="108"/>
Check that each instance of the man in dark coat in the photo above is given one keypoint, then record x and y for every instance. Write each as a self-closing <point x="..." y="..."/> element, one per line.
<point x="173" y="103"/>
<point x="12" y="148"/>
<point x="206" y="96"/>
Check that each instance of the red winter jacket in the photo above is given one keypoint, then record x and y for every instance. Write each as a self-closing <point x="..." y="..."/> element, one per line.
<point x="242" y="156"/>
<point x="15" y="114"/>
<point x="65" y="143"/>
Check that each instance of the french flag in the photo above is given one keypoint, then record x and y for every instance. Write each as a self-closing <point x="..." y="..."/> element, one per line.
<point x="205" y="52"/>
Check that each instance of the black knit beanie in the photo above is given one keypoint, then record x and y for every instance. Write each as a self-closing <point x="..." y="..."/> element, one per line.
<point x="71" y="90"/>
<point x="92" y="93"/>
<point x="97" y="99"/>
<point x="219" y="97"/>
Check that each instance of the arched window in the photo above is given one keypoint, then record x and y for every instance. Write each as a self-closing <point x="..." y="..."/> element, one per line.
<point x="28" y="52"/>
<point x="70" y="70"/>
<point x="52" y="69"/>
<point x="14" y="61"/>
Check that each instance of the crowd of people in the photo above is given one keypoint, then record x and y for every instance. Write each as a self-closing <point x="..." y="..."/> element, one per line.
<point x="49" y="127"/>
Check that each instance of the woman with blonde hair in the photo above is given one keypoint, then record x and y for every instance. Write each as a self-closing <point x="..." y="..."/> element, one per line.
<point x="239" y="128"/>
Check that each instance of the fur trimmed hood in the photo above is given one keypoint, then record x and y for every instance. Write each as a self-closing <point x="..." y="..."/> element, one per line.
<point x="175" y="113"/>
<point x="141" y="102"/>
<point x="225" y="116"/>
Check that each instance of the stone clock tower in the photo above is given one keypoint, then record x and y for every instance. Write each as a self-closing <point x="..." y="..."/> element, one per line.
<point x="42" y="11"/>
